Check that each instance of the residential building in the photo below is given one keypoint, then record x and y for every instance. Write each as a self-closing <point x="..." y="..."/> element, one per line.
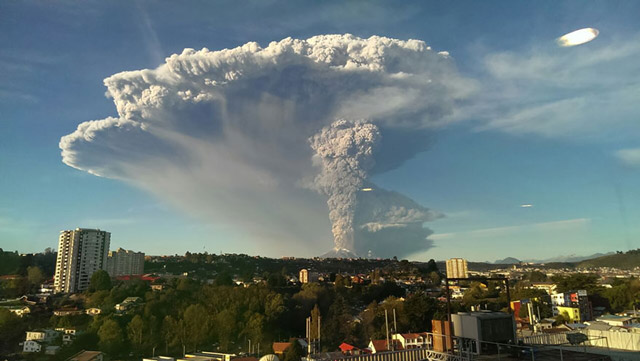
<point x="81" y="252"/>
<point x="575" y="303"/>
<point x="93" y="311"/>
<point x="18" y="310"/>
<point x="31" y="346"/>
<point x="125" y="262"/>
<point x="307" y="276"/>
<point x="68" y="311"/>
<point x="381" y="346"/>
<point x="457" y="268"/>
<point x="413" y="340"/>
<point x="548" y="287"/>
<point x="41" y="335"/>
<point x="128" y="303"/>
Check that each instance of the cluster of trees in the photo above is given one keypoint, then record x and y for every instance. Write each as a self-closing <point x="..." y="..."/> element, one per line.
<point x="189" y="315"/>
<point x="28" y="272"/>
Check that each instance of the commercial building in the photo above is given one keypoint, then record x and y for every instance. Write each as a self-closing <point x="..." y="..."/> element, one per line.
<point x="457" y="268"/>
<point x="124" y="262"/>
<point x="81" y="252"/>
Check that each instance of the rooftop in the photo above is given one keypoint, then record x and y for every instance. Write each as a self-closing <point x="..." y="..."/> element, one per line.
<point x="85" y="356"/>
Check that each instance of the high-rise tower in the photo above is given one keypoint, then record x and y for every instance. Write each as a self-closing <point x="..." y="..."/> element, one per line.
<point x="457" y="268"/>
<point x="81" y="252"/>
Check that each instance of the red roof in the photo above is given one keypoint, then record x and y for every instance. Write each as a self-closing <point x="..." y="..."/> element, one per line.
<point x="344" y="347"/>
<point x="279" y="347"/>
<point x="9" y="277"/>
<point x="381" y="345"/>
<point x="146" y="277"/>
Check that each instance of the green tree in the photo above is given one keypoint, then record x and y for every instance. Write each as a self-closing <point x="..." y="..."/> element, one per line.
<point x="419" y="310"/>
<point x="100" y="281"/>
<point x="224" y="279"/>
<point x="578" y="281"/>
<point x="255" y="327"/>
<point x="111" y="338"/>
<point x="11" y="330"/>
<point x="35" y="276"/>
<point x="294" y="352"/>
<point x="227" y="328"/>
<point x="196" y="325"/>
<point x="135" y="331"/>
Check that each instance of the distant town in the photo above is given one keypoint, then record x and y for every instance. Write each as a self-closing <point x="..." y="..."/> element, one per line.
<point x="83" y="301"/>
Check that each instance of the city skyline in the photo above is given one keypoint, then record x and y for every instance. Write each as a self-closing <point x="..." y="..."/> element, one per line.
<point x="537" y="158"/>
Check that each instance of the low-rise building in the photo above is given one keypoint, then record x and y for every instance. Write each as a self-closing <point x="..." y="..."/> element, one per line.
<point x="128" y="303"/>
<point x="32" y="346"/>
<point x="68" y="311"/>
<point x="381" y="346"/>
<point x="413" y="340"/>
<point x="615" y="320"/>
<point x="41" y="335"/>
<point x="93" y="311"/>
<point x="18" y="310"/>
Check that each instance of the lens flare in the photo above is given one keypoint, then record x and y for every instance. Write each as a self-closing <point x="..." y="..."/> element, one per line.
<point x="578" y="37"/>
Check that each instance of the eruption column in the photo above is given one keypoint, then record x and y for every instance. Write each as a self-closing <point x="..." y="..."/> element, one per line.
<point x="344" y="150"/>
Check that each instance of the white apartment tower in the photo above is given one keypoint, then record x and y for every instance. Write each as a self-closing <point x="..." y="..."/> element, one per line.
<point x="81" y="252"/>
<point x="123" y="262"/>
<point x="457" y="268"/>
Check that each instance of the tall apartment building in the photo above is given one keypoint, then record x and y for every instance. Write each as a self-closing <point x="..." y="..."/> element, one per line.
<point x="81" y="252"/>
<point x="457" y="268"/>
<point x="124" y="262"/>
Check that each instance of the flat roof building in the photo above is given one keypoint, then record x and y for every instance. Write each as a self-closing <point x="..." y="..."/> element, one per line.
<point x="125" y="262"/>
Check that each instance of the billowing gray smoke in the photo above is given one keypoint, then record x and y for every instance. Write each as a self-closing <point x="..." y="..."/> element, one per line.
<point x="250" y="138"/>
<point x="345" y="150"/>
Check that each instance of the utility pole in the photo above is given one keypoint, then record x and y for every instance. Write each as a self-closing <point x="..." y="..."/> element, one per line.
<point x="319" y="321"/>
<point x="395" y="330"/>
<point x="386" y="324"/>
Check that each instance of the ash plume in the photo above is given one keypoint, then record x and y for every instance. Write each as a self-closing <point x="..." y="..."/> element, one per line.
<point x="345" y="150"/>
<point x="248" y="137"/>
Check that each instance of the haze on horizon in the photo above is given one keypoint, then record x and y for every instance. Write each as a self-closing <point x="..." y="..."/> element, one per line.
<point x="230" y="132"/>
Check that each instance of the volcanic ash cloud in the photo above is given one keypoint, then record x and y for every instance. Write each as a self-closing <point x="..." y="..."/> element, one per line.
<point x="250" y="138"/>
<point x="345" y="151"/>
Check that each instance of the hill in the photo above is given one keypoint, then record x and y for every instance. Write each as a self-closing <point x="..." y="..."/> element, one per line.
<point x="627" y="260"/>
<point x="508" y="260"/>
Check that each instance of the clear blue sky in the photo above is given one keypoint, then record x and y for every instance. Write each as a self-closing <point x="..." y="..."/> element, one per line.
<point x="557" y="128"/>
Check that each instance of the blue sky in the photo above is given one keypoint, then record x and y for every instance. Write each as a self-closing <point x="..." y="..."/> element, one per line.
<point x="552" y="127"/>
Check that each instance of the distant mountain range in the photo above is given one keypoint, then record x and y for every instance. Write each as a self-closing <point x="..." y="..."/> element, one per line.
<point x="627" y="260"/>
<point x="572" y="258"/>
